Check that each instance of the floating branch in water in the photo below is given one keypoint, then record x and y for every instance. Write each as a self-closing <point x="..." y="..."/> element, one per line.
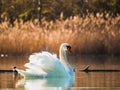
<point x="86" y="69"/>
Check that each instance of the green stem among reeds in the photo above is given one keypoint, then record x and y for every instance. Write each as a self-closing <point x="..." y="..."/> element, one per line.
<point x="87" y="35"/>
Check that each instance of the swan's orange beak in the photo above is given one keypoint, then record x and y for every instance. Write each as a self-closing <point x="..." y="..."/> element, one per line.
<point x="69" y="49"/>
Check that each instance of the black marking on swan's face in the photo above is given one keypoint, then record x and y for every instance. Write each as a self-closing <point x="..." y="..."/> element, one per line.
<point x="68" y="46"/>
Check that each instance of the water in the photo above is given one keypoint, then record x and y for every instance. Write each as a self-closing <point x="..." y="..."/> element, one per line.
<point x="83" y="80"/>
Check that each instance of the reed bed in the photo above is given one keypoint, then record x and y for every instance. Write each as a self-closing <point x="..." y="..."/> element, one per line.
<point x="88" y="35"/>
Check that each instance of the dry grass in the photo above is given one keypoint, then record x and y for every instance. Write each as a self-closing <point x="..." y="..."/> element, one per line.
<point x="87" y="35"/>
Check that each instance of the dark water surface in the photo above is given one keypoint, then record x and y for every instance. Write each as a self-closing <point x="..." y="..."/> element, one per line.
<point x="83" y="80"/>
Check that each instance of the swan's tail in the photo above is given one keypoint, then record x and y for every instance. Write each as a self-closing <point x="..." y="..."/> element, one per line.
<point x="28" y="73"/>
<point x="19" y="71"/>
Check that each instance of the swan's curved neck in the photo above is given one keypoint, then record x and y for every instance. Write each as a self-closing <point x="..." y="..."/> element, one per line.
<point x="63" y="58"/>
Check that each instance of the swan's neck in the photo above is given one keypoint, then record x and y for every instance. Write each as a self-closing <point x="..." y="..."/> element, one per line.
<point x="63" y="58"/>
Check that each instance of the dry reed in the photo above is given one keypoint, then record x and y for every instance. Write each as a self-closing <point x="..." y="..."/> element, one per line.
<point x="88" y="35"/>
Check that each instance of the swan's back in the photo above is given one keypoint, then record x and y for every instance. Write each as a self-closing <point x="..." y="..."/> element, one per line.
<point x="45" y="63"/>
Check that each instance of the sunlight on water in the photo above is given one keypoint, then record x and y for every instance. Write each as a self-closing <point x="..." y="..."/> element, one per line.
<point x="83" y="80"/>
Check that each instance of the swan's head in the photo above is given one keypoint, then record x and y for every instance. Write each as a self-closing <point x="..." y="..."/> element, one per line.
<point x="66" y="47"/>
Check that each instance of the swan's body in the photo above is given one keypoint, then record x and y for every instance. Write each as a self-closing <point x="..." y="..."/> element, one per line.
<point x="45" y="64"/>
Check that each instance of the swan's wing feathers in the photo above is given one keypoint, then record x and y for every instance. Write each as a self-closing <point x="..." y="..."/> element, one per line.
<point x="47" y="62"/>
<point x="35" y="68"/>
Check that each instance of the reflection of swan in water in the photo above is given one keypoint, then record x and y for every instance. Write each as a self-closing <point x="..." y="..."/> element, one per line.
<point x="46" y="65"/>
<point x="41" y="84"/>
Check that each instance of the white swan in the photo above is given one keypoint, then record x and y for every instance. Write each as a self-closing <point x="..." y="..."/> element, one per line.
<point x="45" y="64"/>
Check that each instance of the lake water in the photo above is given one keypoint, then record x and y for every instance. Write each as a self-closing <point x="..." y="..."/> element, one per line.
<point x="83" y="81"/>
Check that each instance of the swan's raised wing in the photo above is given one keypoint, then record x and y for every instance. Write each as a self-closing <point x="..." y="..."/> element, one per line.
<point x="46" y="62"/>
